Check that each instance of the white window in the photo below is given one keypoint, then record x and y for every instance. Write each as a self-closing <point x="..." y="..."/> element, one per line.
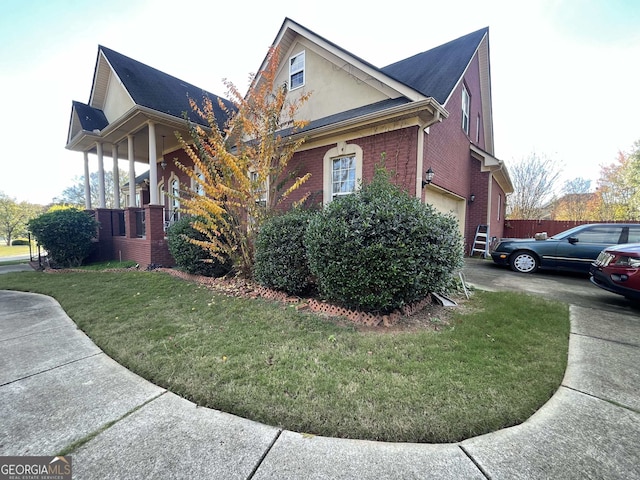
<point x="196" y="185"/>
<point x="499" y="206"/>
<point x="296" y="71"/>
<point x="260" y="188"/>
<point x="478" y="130"/>
<point x="342" y="170"/>
<point x="466" y="101"/>
<point x="174" y="199"/>
<point x="343" y="175"/>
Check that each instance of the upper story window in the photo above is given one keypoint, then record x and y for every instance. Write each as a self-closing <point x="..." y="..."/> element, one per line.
<point x="343" y="172"/>
<point x="296" y="71"/>
<point x="478" y="130"/>
<point x="466" y="102"/>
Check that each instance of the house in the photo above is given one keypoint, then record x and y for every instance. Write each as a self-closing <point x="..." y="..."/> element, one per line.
<point x="429" y="113"/>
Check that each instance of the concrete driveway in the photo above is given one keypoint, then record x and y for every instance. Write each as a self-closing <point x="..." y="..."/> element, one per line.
<point x="574" y="289"/>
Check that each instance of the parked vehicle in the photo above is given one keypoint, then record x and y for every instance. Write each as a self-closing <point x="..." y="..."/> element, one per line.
<point x="617" y="269"/>
<point x="572" y="250"/>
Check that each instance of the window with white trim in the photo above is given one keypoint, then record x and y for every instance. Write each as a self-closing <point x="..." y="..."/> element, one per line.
<point x="499" y="206"/>
<point x="196" y="186"/>
<point x="260" y="188"/>
<point x="466" y="102"/>
<point x="174" y="199"/>
<point x="343" y="175"/>
<point x="296" y="71"/>
<point x="342" y="170"/>
<point x="478" y="129"/>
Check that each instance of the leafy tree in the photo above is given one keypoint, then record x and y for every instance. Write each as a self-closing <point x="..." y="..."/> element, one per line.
<point x="74" y="195"/>
<point x="534" y="182"/>
<point x="66" y="234"/>
<point x="617" y="193"/>
<point x="242" y="169"/>
<point x="574" y="203"/>
<point x="14" y="217"/>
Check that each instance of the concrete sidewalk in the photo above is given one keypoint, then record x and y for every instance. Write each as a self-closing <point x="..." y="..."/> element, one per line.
<point x="57" y="388"/>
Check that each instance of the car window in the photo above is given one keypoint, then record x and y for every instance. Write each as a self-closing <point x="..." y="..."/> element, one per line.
<point x="634" y="234"/>
<point x="599" y="234"/>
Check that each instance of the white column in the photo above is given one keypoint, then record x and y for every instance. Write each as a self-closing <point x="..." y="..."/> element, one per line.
<point x="116" y="177"/>
<point x="132" y="172"/>
<point x="153" y="165"/>
<point x="87" y="182"/>
<point x="103" y="203"/>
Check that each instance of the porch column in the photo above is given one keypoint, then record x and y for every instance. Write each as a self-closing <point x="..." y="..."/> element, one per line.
<point x="132" y="172"/>
<point x="102" y="201"/>
<point x="153" y="165"/>
<point x="116" y="177"/>
<point x="87" y="183"/>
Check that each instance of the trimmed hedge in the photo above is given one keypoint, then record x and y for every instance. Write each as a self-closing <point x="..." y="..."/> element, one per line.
<point x="280" y="257"/>
<point x="380" y="248"/>
<point x="19" y="242"/>
<point x="65" y="234"/>
<point x="190" y="257"/>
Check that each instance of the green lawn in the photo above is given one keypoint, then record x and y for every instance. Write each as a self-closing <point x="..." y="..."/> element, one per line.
<point x="6" y="251"/>
<point x="486" y="369"/>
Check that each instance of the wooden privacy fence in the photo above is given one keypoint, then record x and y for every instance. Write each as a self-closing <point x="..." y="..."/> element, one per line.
<point x="528" y="228"/>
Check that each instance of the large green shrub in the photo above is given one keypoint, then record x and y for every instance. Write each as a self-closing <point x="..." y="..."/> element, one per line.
<point x="379" y="248"/>
<point x="190" y="257"/>
<point x="66" y="235"/>
<point x="280" y="256"/>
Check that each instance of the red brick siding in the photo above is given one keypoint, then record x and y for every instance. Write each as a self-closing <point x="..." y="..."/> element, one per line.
<point x="400" y="147"/>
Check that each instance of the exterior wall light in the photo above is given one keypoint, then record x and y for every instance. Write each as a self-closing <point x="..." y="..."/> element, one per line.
<point x="428" y="177"/>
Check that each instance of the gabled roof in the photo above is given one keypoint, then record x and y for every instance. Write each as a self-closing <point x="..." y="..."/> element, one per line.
<point x="90" y="118"/>
<point x="436" y="72"/>
<point x="151" y="88"/>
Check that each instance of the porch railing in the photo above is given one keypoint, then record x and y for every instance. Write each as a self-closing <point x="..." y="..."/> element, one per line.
<point x="140" y="224"/>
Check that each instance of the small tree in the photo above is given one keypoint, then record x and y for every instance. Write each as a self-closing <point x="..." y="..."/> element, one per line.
<point x="534" y="182"/>
<point x="14" y="216"/>
<point x="241" y="170"/>
<point x="74" y="195"/>
<point x="66" y="234"/>
<point x="574" y="204"/>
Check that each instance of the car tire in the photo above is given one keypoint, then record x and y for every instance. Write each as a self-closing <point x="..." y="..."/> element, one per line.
<point x="524" y="262"/>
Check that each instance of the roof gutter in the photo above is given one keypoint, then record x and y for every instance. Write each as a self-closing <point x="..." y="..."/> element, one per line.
<point x="406" y="110"/>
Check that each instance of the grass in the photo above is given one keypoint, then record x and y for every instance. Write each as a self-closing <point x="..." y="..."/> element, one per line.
<point x="10" y="251"/>
<point x="109" y="265"/>
<point x="491" y="368"/>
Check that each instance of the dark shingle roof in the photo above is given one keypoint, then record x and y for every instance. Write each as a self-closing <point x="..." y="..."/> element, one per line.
<point x="436" y="72"/>
<point x="159" y="91"/>
<point x="90" y="118"/>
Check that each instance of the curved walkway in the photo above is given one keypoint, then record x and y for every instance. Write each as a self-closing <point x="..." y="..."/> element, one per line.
<point x="58" y="389"/>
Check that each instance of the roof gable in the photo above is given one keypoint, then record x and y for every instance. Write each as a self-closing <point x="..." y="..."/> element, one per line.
<point x="151" y="88"/>
<point x="436" y="72"/>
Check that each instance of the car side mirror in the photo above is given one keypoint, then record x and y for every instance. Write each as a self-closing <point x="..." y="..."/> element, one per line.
<point x="573" y="240"/>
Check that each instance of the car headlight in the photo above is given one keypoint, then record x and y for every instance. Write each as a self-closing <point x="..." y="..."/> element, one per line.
<point x="632" y="262"/>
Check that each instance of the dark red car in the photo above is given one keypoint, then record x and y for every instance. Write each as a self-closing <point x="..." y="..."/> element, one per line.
<point x="617" y="269"/>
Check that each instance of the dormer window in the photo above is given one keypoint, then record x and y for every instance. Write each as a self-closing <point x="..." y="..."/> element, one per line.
<point x="466" y="102"/>
<point x="296" y="71"/>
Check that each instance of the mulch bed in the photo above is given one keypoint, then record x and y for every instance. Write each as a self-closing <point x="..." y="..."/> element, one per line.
<point x="424" y="314"/>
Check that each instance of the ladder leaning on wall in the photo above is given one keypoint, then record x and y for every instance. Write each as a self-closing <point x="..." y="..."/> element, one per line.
<point x="481" y="241"/>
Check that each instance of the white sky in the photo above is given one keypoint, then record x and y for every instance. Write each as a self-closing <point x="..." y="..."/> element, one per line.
<point x="564" y="72"/>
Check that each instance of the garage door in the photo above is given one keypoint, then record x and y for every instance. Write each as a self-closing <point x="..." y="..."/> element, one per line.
<point x="446" y="203"/>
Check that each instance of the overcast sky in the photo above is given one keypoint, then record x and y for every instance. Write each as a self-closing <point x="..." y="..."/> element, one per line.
<point x="564" y="72"/>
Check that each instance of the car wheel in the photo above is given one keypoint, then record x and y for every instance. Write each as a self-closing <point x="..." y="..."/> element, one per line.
<point x="524" y="262"/>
